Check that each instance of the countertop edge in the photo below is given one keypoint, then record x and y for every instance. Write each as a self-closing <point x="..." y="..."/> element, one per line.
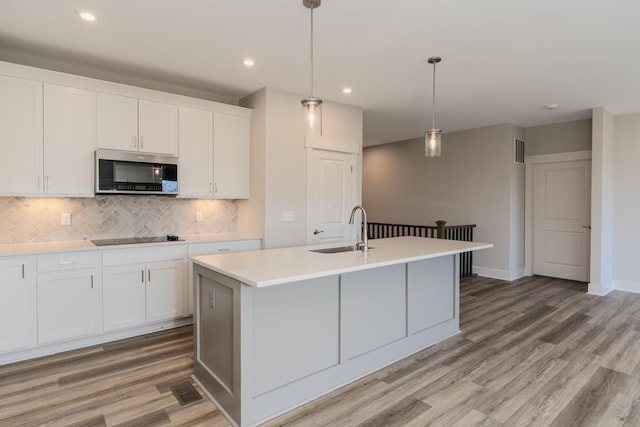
<point x="40" y="248"/>
<point x="331" y="271"/>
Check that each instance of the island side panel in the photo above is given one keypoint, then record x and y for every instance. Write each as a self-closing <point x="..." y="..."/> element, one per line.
<point x="217" y="301"/>
<point x="295" y="331"/>
<point x="431" y="292"/>
<point x="373" y="309"/>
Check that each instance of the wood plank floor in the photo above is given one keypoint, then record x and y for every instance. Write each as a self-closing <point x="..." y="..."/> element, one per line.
<point x="534" y="352"/>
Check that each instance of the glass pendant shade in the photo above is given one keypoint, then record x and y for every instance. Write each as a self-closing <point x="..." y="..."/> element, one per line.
<point x="432" y="142"/>
<point x="311" y="106"/>
<point x="312" y="117"/>
<point x="433" y="137"/>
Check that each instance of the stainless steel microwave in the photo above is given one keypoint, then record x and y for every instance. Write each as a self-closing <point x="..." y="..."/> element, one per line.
<point x="123" y="172"/>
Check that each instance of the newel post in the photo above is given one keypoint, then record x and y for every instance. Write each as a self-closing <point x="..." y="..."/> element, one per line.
<point x="440" y="230"/>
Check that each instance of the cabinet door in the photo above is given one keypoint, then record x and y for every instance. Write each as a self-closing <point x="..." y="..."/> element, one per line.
<point x="231" y="156"/>
<point x="20" y="136"/>
<point x="165" y="290"/>
<point x="17" y="303"/>
<point x="69" y="304"/>
<point x="123" y="296"/>
<point x="69" y="140"/>
<point x="158" y="127"/>
<point x="117" y="122"/>
<point x="196" y="153"/>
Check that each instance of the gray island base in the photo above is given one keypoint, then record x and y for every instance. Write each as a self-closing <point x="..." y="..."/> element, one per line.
<point x="266" y="343"/>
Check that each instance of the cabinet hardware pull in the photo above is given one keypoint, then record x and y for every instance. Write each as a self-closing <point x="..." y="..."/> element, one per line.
<point x="92" y="281"/>
<point x="135" y="142"/>
<point x="141" y="142"/>
<point x="316" y="231"/>
<point x="39" y="182"/>
<point x="142" y="271"/>
<point x="149" y="274"/>
<point x="23" y="271"/>
<point x="224" y="249"/>
<point x="66" y="262"/>
<point x="47" y="182"/>
<point x="210" y="187"/>
<point x="215" y="188"/>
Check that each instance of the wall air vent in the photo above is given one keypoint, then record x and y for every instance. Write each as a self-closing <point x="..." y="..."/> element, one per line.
<point x="518" y="150"/>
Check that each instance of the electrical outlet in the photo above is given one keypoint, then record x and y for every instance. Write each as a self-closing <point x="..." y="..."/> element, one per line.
<point x="65" y="219"/>
<point x="212" y="298"/>
<point x="199" y="216"/>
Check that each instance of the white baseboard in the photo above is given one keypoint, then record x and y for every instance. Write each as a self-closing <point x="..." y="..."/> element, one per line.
<point x="626" y="285"/>
<point x="76" y="343"/>
<point x="498" y="274"/>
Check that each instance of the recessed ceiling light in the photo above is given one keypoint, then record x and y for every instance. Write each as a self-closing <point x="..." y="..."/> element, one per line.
<point x="346" y="90"/>
<point x="87" y="16"/>
<point x="249" y="62"/>
<point x="551" y="106"/>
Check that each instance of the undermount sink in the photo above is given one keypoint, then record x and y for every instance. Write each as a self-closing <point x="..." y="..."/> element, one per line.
<point x="350" y="248"/>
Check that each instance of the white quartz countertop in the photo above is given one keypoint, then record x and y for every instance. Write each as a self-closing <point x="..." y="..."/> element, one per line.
<point x="80" y="245"/>
<point x="277" y="266"/>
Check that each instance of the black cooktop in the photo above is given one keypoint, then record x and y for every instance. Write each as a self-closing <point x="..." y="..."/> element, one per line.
<point x="133" y="240"/>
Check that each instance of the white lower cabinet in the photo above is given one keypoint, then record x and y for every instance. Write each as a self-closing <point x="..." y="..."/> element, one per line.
<point x="123" y="296"/>
<point x="135" y="293"/>
<point x="139" y="293"/>
<point x="165" y="290"/>
<point x="69" y="296"/>
<point x="17" y="303"/>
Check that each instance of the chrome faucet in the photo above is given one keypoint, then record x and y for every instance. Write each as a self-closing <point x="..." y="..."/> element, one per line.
<point x="363" y="245"/>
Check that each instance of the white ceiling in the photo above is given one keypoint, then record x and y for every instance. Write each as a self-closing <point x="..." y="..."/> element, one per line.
<point x="503" y="60"/>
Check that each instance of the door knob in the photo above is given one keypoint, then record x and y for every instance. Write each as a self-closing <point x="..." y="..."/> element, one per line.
<point x="316" y="231"/>
<point x="588" y="227"/>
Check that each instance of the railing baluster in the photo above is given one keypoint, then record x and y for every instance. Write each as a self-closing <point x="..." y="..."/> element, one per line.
<point x="379" y="230"/>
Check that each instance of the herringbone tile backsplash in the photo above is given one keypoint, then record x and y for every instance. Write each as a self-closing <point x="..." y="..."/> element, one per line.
<point x="27" y="220"/>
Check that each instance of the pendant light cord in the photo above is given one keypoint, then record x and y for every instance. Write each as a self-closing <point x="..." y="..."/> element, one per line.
<point x="311" y="59"/>
<point x="433" y="110"/>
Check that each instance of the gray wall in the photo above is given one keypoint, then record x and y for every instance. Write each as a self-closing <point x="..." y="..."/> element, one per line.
<point x="474" y="182"/>
<point x="558" y="138"/>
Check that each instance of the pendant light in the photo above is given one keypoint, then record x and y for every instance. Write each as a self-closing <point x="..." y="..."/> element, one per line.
<point x="311" y="106"/>
<point x="433" y="137"/>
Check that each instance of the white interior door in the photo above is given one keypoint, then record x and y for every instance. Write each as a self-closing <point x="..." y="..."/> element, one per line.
<point x="332" y="193"/>
<point x="561" y="219"/>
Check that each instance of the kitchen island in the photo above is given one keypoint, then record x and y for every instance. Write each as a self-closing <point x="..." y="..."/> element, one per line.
<point x="277" y="328"/>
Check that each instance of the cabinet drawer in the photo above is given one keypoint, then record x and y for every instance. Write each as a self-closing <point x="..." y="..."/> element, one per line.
<point x="143" y="255"/>
<point x="209" y="248"/>
<point x="68" y="261"/>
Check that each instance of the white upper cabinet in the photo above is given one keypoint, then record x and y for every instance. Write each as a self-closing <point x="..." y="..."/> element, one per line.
<point x="20" y="136"/>
<point x="214" y="154"/>
<point x="129" y="124"/>
<point x="157" y="127"/>
<point x="195" y="163"/>
<point x="231" y="156"/>
<point x="69" y="140"/>
<point x="117" y="122"/>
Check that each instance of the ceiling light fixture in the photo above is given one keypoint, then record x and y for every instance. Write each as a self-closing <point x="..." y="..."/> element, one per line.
<point x="346" y="90"/>
<point x="311" y="106"/>
<point x="87" y="16"/>
<point x="249" y="62"/>
<point x="433" y="137"/>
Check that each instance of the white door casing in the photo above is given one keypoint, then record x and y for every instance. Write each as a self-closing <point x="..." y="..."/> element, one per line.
<point x="561" y="219"/>
<point x="332" y="190"/>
